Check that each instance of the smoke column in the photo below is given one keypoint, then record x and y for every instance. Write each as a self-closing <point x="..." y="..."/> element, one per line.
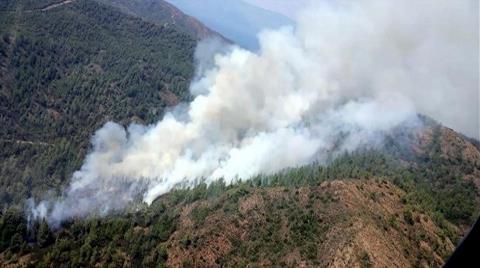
<point x="351" y="69"/>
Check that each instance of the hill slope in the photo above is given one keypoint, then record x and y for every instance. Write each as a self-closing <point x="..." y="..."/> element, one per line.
<point x="163" y="13"/>
<point x="339" y="223"/>
<point x="67" y="70"/>
<point x="368" y="208"/>
<point x="68" y="67"/>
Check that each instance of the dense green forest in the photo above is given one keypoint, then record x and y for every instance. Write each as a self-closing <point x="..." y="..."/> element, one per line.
<point x="163" y="13"/>
<point x="67" y="71"/>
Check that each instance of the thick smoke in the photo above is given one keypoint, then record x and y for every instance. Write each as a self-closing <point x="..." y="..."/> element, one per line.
<point x="349" y="73"/>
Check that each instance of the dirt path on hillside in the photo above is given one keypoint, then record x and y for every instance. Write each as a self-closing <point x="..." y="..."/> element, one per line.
<point x="46" y="8"/>
<point x="52" y="6"/>
<point x="39" y="143"/>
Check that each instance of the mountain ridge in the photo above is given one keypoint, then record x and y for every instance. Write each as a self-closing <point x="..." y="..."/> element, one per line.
<point x="163" y="13"/>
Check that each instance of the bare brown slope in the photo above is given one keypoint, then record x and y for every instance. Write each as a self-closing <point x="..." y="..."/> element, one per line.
<point x="337" y="224"/>
<point x="456" y="152"/>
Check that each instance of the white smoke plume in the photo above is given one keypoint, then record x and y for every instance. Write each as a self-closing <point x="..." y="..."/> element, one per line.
<point x="355" y="69"/>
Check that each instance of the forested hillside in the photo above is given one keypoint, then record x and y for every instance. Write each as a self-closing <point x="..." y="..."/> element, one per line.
<point x="407" y="203"/>
<point x="66" y="71"/>
<point x="163" y="13"/>
<point x="67" y="67"/>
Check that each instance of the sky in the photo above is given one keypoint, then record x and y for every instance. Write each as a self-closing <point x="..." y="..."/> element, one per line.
<point x="286" y="7"/>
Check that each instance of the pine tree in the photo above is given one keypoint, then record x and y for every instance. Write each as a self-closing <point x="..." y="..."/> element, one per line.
<point x="44" y="235"/>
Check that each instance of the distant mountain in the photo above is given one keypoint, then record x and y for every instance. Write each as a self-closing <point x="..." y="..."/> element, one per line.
<point x="163" y="13"/>
<point x="234" y="19"/>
